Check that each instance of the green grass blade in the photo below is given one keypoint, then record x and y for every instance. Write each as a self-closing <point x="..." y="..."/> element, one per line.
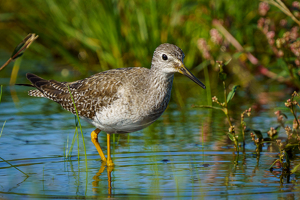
<point x="206" y="106"/>
<point x="232" y="93"/>
<point x="80" y="129"/>
<point x="2" y="128"/>
<point x="73" y="141"/>
<point x="295" y="169"/>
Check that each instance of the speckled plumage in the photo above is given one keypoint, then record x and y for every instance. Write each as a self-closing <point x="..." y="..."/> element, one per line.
<point x="119" y="100"/>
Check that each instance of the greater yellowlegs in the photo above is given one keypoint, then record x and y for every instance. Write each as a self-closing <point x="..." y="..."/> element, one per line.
<point x="119" y="100"/>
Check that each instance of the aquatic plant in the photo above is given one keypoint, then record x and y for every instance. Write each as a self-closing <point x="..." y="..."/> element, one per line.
<point x="257" y="141"/>
<point x="283" y="160"/>
<point x="223" y="106"/>
<point x="77" y="117"/>
<point x="243" y="123"/>
<point x="288" y="147"/>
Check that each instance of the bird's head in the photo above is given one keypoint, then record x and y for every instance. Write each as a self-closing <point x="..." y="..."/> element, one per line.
<point x="168" y="58"/>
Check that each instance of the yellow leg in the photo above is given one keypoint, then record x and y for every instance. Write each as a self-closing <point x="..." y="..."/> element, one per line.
<point x="109" y="170"/>
<point x="94" y="138"/>
<point x="109" y="160"/>
<point x="97" y="179"/>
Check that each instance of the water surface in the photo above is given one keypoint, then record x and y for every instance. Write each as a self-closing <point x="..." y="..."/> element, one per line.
<point x="185" y="154"/>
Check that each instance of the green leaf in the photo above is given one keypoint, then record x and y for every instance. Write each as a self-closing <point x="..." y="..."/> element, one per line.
<point x="258" y="134"/>
<point x="271" y="167"/>
<point x="232" y="92"/>
<point x="237" y="55"/>
<point x="295" y="168"/>
<point x="289" y="147"/>
<point x="17" y="49"/>
<point x="227" y="62"/>
<point x="284" y="115"/>
<point x="277" y="128"/>
<point x="231" y="137"/>
<point x="19" y="55"/>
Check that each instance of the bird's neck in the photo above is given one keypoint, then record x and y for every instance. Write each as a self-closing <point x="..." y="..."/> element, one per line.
<point x="158" y="75"/>
<point x="160" y="86"/>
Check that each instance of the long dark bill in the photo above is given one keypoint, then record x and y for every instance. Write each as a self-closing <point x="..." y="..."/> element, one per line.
<point x="183" y="70"/>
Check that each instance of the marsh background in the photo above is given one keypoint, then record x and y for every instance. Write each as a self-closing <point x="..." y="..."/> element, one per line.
<point x="186" y="153"/>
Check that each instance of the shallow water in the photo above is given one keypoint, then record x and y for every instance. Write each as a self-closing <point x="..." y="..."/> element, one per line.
<point x="185" y="154"/>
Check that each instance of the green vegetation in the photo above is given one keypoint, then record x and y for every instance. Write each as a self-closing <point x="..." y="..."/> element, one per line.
<point x="99" y="35"/>
<point x="92" y="36"/>
<point x="284" y="44"/>
<point x="86" y="168"/>
<point x="223" y="106"/>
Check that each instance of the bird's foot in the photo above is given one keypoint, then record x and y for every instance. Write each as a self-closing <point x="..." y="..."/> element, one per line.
<point x="110" y="163"/>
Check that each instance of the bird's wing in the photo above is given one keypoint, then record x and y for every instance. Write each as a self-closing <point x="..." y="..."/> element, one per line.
<point x="90" y="94"/>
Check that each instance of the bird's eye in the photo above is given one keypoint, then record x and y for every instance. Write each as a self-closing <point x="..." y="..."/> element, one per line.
<point x="164" y="57"/>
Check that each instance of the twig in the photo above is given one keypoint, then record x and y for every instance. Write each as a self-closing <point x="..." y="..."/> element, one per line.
<point x="19" y="50"/>
<point x="279" y="4"/>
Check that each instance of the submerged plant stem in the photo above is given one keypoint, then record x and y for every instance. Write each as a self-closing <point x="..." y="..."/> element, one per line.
<point x="75" y="136"/>
<point x="243" y="132"/>
<point x="15" y="167"/>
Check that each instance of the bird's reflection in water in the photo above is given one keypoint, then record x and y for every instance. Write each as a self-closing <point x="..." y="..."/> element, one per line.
<point x="96" y="178"/>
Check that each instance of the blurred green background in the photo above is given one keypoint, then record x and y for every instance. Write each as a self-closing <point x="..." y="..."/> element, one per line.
<point x="80" y="38"/>
<point x="91" y="36"/>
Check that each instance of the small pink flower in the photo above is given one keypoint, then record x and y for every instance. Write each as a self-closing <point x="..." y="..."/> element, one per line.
<point x="283" y="22"/>
<point x="296" y="4"/>
<point x="263" y="8"/>
<point x="270" y="34"/>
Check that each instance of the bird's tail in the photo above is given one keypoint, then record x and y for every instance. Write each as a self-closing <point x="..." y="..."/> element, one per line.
<point x="37" y="82"/>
